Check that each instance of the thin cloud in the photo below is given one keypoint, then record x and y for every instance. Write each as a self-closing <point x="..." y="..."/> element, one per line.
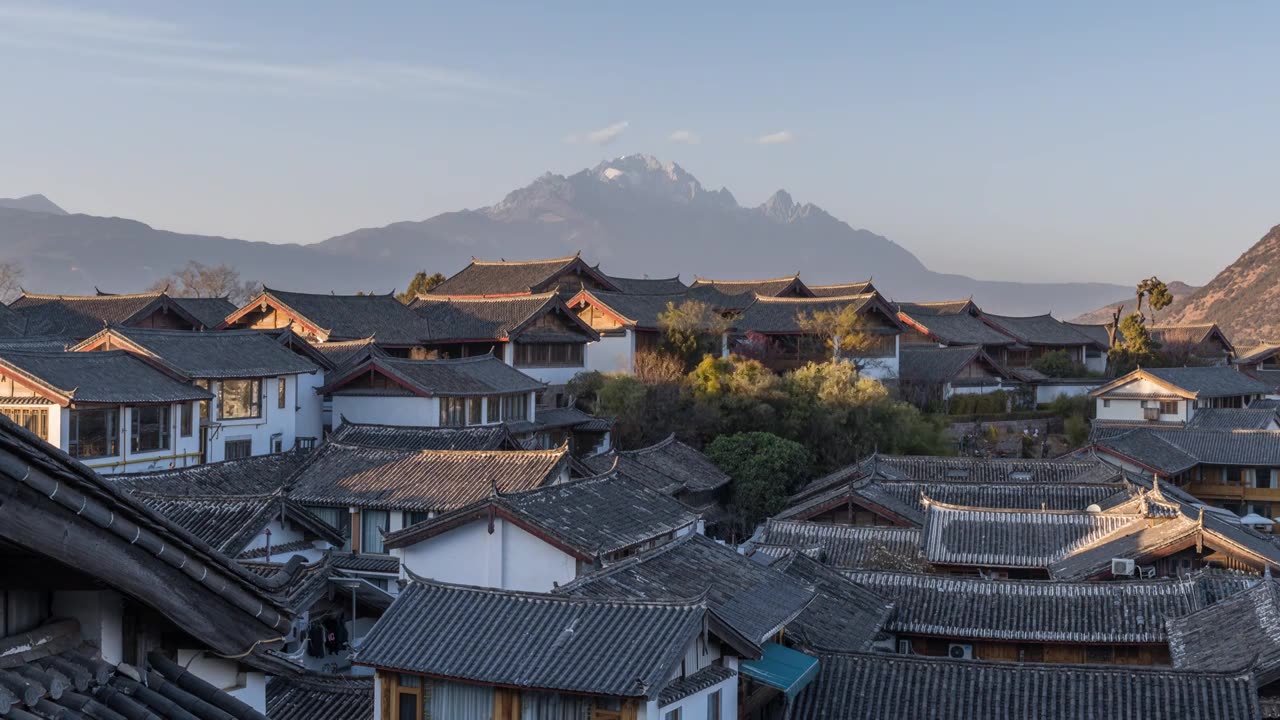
<point x="684" y="136"/>
<point x="606" y="135"/>
<point x="778" y="138"/>
<point x="173" y="50"/>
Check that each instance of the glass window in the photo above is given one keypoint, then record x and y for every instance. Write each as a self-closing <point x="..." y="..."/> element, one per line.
<point x="372" y="524"/>
<point x="185" y="423"/>
<point x="149" y="429"/>
<point x="94" y="433"/>
<point x="204" y="404"/>
<point x="1262" y="478"/>
<point x="339" y="518"/>
<point x="236" y="449"/>
<point x="456" y="412"/>
<point x="453" y="412"/>
<point x="515" y="407"/>
<point x="413" y="517"/>
<point x="713" y="706"/>
<point x="239" y="399"/>
<point x="1168" y="407"/>
<point x="672" y="715"/>
<point x="34" y="419"/>
<point x="281" y="390"/>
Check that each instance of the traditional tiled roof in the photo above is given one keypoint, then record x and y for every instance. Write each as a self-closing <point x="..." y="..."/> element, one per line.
<point x="1170" y="451"/>
<point x="1190" y="382"/>
<point x="455" y="319"/>
<point x="340" y="353"/>
<point x="257" y="475"/>
<point x="987" y="537"/>
<point x="932" y="468"/>
<point x="366" y="563"/>
<point x="114" y="377"/>
<point x="842" y="289"/>
<point x="1097" y="333"/>
<point x="1265" y="404"/>
<point x="515" y="277"/>
<point x="591" y="517"/>
<point x="683" y="687"/>
<point x="206" y="355"/>
<point x="345" y="317"/>
<point x="972" y="608"/>
<point x="1041" y="330"/>
<point x="395" y="437"/>
<point x="729" y="294"/>
<point x="229" y="523"/>
<point x="930" y="364"/>
<point x="210" y="311"/>
<point x="669" y="466"/>
<point x="1241" y="630"/>
<point x="952" y="323"/>
<point x="843" y="546"/>
<point x="636" y="311"/>
<point x="471" y="377"/>
<point x="311" y="695"/>
<point x="844" y="616"/>
<point x="616" y="647"/>
<point x="875" y="686"/>
<point x="337" y="474"/>
<point x="1192" y="334"/>
<point x="208" y="595"/>
<point x="649" y="286"/>
<point x="48" y="673"/>
<point x="1006" y="496"/>
<point x="1251" y="418"/>
<point x="565" y="417"/>
<point x="756" y="601"/>
<point x="80" y="316"/>
<point x="782" y="314"/>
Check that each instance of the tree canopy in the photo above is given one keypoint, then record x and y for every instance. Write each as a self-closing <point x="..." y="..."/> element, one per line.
<point x="421" y="284"/>
<point x="195" y="279"/>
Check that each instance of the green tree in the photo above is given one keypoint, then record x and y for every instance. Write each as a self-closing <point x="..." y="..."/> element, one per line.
<point x="692" y="329"/>
<point x="765" y="469"/>
<point x="421" y="284"/>
<point x="1058" y="364"/>
<point x="1156" y="293"/>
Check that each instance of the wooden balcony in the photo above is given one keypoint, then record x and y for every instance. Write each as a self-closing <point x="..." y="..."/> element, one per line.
<point x="1235" y="493"/>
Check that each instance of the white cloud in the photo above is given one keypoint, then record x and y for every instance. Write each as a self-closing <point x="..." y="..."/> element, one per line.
<point x="606" y="135"/>
<point x="172" y="50"/>
<point x="778" y="138"/>
<point x="684" y="136"/>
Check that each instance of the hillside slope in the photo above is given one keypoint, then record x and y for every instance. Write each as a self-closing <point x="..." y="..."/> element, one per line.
<point x="1244" y="299"/>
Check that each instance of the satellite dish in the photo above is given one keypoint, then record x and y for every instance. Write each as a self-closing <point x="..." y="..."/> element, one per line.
<point x="1095" y="508"/>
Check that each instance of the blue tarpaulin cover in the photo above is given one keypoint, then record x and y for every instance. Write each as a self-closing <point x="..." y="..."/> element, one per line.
<point x="788" y="670"/>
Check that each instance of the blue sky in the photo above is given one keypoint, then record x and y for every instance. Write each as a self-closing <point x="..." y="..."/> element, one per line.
<point x="1032" y="141"/>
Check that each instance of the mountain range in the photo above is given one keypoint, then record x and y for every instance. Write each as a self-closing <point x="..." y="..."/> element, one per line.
<point x="635" y="215"/>
<point x="1104" y="314"/>
<point x="1242" y="299"/>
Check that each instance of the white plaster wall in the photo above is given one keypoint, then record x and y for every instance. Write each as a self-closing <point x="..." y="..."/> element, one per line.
<point x="694" y="707"/>
<point x="99" y="613"/>
<point x="509" y="558"/>
<point x="611" y="354"/>
<point x="259" y="431"/>
<point x="1049" y="392"/>
<point x="1096" y="364"/>
<point x="552" y="375"/>
<point x="254" y="692"/>
<point x="529" y="563"/>
<point x="183" y="451"/>
<point x="1130" y="410"/>
<point x="386" y="410"/>
<point x="885" y="368"/>
<point x="310" y="406"/>
<point x="281" y="535"/>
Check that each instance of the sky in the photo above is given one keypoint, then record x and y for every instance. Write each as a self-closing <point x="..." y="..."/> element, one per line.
<point x="1019" y="141"/>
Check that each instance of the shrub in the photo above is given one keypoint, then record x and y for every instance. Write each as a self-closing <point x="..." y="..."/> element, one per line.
<point x="1058" y="364"/>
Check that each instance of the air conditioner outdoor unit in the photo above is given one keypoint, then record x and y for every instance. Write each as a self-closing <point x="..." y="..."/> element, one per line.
<point x="956" y="651"/>
<point x="1122" y="567"/>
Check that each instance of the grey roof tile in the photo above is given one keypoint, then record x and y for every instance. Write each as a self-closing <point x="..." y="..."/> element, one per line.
<point x="649" y="286"/>
<point x="504" y="277"/>
<point x="394" y="437"/>
<point x="350" y="317"/>
<point x="456" y="319"/>
<point x="955" y="323"/>
<point x="473" y="376"/>
<point x="1209" y="382"/>
<point x="639" y="311"/>
<point x="1041" y="330"/>
<point x="1242" y="629"/>
<point x="756" y="601"/>
<point x="310" y="695"/>
<point x="618" y="647"/>
<point x="844" y="546"/>
<point x="258" y="475"/>
<point x="782" y="314"/>
<point x="844" y="616"/>
<point x="873" y="686"/>
<point x="973" y="608"/>
<point x="113" y="377"/>
<point x="984" y="537"/>
<point x="208" y="355"/>
<point x="80" y="316"/>
<point x="669" y="466"/>
<point x="337" y="474"/>
<point x="1251" y="418"/>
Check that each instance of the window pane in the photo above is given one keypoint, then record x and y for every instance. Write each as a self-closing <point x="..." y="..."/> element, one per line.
<point x="93" y="433"/>
<point x="236" y="449"/>
<point x="372" y="524"/>
<point x="281" y="391"/>
<point x="150" y="428"/>
<point x="239" y="399"/>
<point x="186" y="422"/>
<point x="34" y="419"/>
